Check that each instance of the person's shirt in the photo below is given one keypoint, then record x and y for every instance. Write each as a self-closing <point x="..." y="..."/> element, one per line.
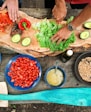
<point x="78" y="1"/>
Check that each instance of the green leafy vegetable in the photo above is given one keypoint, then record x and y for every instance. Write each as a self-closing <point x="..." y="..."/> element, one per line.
<point x="70" y="19"/>
<point x="46" y="30"/>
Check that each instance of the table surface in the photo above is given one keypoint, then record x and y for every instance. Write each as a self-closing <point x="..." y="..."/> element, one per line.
<point x="45" y="62"/>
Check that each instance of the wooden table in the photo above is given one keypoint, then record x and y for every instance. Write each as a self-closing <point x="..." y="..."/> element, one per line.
<point x="45" y="62"/>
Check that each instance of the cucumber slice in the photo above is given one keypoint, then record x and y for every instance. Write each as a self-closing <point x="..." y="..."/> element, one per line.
<point x="84" y="35"/>
<point x="16" y="38"/>
<point x="87" y="24"/>
<point x="26" y="41"/>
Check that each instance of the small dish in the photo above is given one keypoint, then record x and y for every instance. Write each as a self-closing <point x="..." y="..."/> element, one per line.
<point x="55" y="79"/>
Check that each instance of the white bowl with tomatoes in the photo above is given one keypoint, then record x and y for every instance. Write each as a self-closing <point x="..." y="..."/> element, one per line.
<point x="23" y="72"/>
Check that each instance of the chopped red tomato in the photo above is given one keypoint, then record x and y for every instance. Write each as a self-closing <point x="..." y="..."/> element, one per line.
<point x="4" y="21"/>
<point x="23" y="72"/>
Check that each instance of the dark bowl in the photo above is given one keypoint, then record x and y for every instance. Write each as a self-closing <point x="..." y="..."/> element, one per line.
<point x="76" y="71"/>
<point x="8" y="78"/>
<point x="64" y="77"/>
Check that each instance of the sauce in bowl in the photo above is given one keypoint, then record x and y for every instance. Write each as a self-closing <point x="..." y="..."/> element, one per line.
<point x="54" y="78"/>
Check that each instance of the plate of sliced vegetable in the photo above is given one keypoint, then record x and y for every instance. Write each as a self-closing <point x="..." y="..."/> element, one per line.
<point x="23" y="72"/>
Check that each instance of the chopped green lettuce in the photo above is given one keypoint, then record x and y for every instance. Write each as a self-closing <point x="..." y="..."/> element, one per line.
<point x="46" y="30"/>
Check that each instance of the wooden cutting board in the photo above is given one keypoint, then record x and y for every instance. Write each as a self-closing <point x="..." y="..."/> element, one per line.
<point x="34" y="48"/>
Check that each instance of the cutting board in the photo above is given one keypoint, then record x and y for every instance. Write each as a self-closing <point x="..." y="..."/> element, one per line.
<point x="34" y="48"/>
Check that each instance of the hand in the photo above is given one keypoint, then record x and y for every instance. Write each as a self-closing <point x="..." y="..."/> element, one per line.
<point x="61" y="35"/>
<point x="59" y="12"/>
<point x="12" y="6"/>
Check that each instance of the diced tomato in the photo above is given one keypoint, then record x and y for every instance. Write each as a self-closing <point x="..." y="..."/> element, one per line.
<point x="4" y="21"/>
<point x="23" y="72"/>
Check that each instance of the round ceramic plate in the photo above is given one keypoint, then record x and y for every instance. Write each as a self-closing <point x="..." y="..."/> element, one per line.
<point x="8" y="78"/>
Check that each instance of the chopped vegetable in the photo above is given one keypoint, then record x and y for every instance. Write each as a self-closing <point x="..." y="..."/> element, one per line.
<point x="26" y="41"/>
<point x="4" y="21"/>
<point x="24" y="24"/>
<point x="23" y="72"/>
<point x="87" y="24"/>
<point x="84" y="35"/>
<point x="16" y="38"/>
<point x="15" y="30"/>
<point x="70" y="19"/>
<point x="46" y="30"/>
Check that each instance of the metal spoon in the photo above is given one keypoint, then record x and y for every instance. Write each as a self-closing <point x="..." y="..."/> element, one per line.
<point x="56" y="65"/>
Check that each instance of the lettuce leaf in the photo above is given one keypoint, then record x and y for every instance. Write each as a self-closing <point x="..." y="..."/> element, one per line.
<point x="46" y="30"/>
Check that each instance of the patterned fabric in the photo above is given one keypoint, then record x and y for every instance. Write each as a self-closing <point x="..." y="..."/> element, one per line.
<point x="78" y="1"/>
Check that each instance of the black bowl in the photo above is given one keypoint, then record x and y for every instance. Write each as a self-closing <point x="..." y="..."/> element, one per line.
<point x="82" y="56"/>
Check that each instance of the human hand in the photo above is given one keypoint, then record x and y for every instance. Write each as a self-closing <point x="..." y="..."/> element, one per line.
<point x="61" y="35"/>
<point x="12" y="6"/>
<point x="59" y="12"/>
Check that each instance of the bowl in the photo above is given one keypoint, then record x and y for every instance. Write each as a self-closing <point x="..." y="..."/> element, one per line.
<point x="51" y="75"/>
<point x="20" y="74"/>
<point x="82" y="61"/>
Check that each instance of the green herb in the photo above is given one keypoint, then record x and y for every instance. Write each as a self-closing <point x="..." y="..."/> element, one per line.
<point x="70" y="19"/>
<point x="46" y="30"/>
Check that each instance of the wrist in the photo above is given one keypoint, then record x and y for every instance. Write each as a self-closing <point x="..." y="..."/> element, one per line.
<point x="70" y="27"/>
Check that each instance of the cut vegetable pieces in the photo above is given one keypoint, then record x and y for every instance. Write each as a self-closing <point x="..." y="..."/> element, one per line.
<point x="46" y="30"/>
<point x="26" y="41"/>
<point x="84" y="35"/>
<point x="70" y="19"/>
<point x="16" y="38"/>
<point x="87" y="24"/>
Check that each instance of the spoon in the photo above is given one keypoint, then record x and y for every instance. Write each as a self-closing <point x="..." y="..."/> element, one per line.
<point x="56" y="65"/>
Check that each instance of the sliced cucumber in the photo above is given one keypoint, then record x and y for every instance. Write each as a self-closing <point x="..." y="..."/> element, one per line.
<point x="87" y="24"/>
<point x="16" y="38"/>
<point x="84" y="35"/>
<point x="26" y="41"/>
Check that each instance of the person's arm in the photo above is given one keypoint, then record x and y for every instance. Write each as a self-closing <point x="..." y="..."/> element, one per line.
<point x="64" y="33"/>
<point x="12" y="6"/>
<point x="82" y="17"/>
<point x="59" y="11"/>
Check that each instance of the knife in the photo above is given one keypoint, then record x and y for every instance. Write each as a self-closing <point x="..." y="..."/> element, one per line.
<point x="69" y="96"/>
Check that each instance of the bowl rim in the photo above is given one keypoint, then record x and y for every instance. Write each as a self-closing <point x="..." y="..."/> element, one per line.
<point x="8" y="77"/>
<point x="64" y="77"/>
<point x="76" y="72"/>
